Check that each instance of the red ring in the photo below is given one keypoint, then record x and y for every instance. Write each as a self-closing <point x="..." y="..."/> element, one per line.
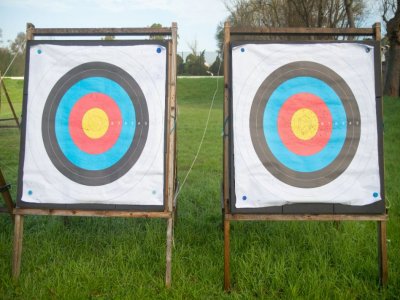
<point x="289" y="139"/>
<point x="81" y="140"/>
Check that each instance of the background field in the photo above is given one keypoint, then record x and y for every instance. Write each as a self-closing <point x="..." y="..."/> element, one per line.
<point x="125" y="258"/>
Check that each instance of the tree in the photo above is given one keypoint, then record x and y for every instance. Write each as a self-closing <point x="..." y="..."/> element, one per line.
<point x="18" y="44"/>
<point x="349" y="12"/>
<point x="219" y="36"/>
<point x="108" y="38"/>
<point x="293" y="13"/>
<point x="15" y="53"/>
<point x="156" y="37"/>
<point x="5" y="59"/>
<point x="392" y="80"/>
<point x="180" y="65"/>
<point x="217" y="68"/>
<point x="195" y="64"/>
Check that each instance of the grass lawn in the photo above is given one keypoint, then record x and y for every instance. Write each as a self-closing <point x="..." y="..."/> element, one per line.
<point x="125" y="258"/>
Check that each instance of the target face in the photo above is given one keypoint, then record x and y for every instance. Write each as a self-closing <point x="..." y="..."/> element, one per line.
<point x="304" y="124"/>
<point x="94" y="116"/>
<point x="95" y="123"/>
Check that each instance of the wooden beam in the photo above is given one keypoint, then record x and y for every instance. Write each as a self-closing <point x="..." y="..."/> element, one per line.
<point x="17" y="248"/>
<point x="227" y="276"/>
<point x="304" y="217"/>
<point x="171" y="135"/>
<point x="377" y="31"/>
<point x="100" y="31"/>
<point x="226" y="117"/>
<point x="168" y="262"/>
<point x="225" y="190"/>
<point x="91" y="213"/>
<point x="10" y="103"/>
<point x="382" y="254"/>
<point x="302" y="31"/>
<point x="6" y="195"/>
<point x="5" y="210"/>
<point x="171" y="117"/>
<point x="30" y="28"/>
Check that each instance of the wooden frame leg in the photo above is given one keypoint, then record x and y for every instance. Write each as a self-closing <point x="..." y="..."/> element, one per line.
<point x="382" y="254"/>
<point x="10" y="104"/>
<point x="227" y="280"/>
<point x="6" y="195"/>
<point x="170" y="225"/>
<point x="17" y="251"/>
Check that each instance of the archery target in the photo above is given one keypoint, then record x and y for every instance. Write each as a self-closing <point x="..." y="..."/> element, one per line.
<point x="95" y="123"/>
<point x="304" y="124"/>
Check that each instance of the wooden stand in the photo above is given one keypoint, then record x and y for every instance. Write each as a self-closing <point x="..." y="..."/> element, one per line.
<point x="15" y="118"/>
<point x="5" y="192"/>
<point x="381" y="219"/>
<point x="171" y="169"/>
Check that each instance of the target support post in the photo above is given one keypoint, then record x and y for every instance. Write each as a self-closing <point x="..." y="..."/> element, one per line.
<point x="376" y="213"/>
<point x="169" y="154"/>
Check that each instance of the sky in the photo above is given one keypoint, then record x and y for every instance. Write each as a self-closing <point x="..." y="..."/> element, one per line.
<point x="197" y="19"/>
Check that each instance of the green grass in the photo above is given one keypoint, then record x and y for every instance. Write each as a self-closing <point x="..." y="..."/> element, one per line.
<point x="125" y="258"/>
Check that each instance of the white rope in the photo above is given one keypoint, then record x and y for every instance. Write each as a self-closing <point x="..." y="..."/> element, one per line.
<point x="21" y="47"/>
<point x="202" y="138"/>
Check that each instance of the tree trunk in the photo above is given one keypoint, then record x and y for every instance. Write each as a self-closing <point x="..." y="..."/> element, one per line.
<point x="349" y="12"/>
<point x="392" y="82"/>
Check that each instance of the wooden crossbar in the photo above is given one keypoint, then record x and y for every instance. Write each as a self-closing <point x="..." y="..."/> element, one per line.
<point x="304" y="217"/>
<point x="91" y="213"/>
<point x="302" y="31"/>
<point x="15" y="118"/>
<point x="165" y="31"/>
<point x="7" y="119"/>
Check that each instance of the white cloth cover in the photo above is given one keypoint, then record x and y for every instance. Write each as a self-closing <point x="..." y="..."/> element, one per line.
<point x="255" y="186"/>
<point x="143" y="184"/>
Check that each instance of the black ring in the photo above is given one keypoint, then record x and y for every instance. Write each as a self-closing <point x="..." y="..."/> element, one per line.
<point x="349" y="149"/>
<point x="60" y="161"/>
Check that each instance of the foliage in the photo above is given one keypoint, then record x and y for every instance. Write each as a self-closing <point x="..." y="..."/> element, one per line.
<point x="219" y="36"/>
<point x="292" y="13"/>
<point x="5" y="59"/>
<point x="180" y="65"/>
<point x="108" y="38"/>
<point x="195" y="64"/>
<point x="18" y="45"/>
<point x="156" y="37"/>
<point x="217" y="68"/>
<point x="16" y="49"/>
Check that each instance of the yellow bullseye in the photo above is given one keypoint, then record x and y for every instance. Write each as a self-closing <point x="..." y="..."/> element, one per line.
<point x="304" y="124"/>
<point x="95" y="123"/>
